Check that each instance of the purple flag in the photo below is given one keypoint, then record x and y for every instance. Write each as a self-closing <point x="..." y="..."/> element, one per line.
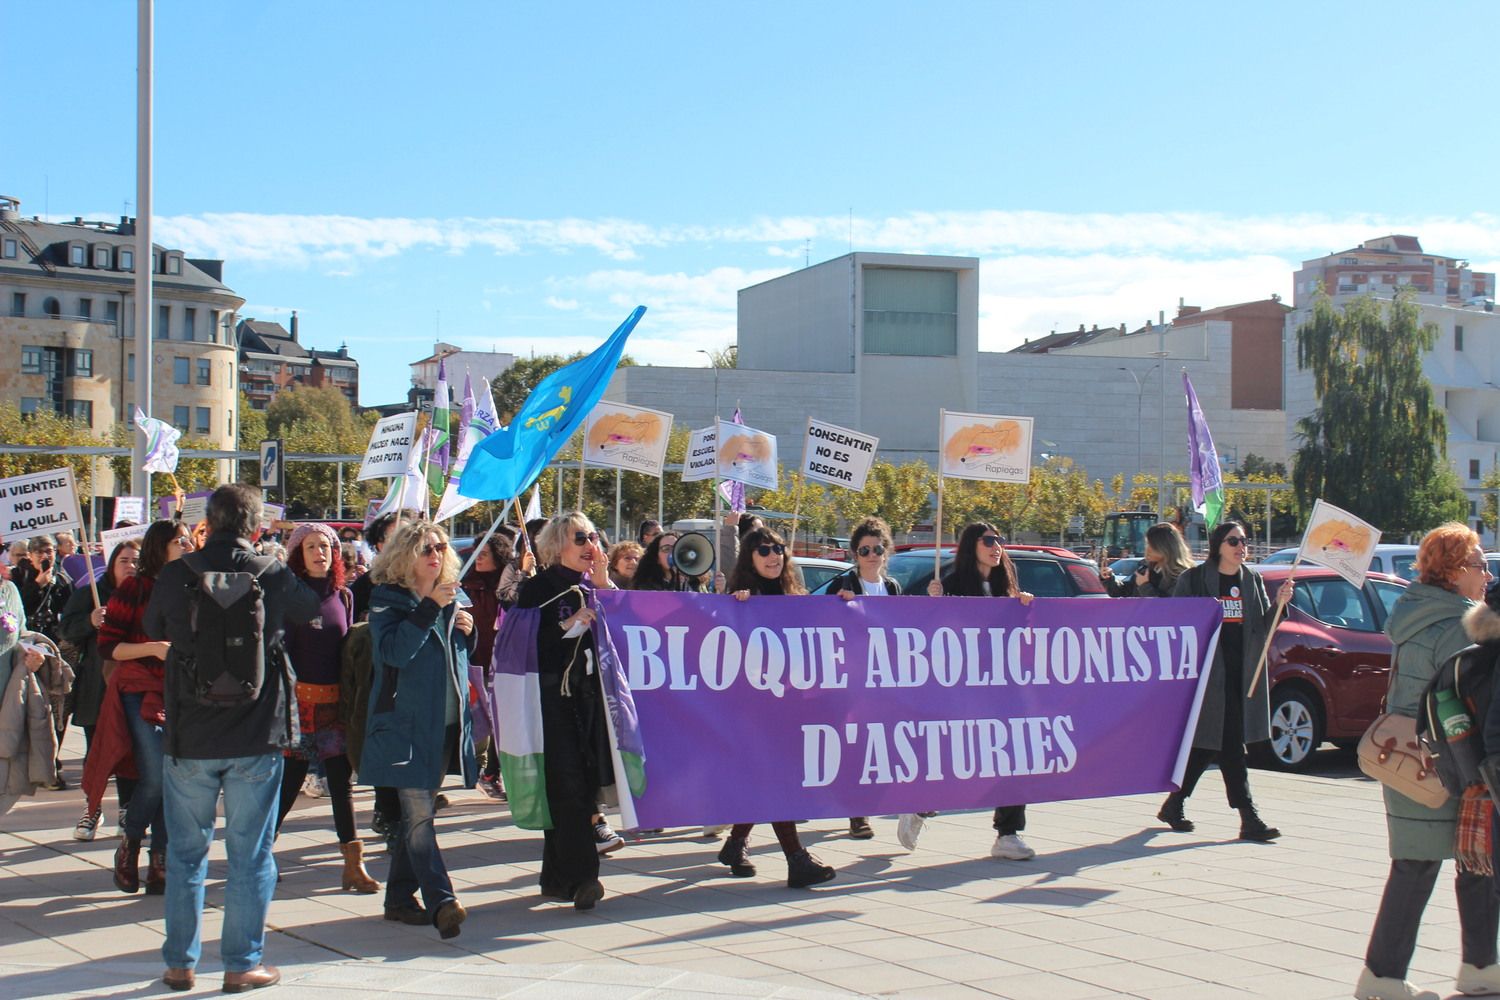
<point x="819" y="707"/>
<point x="1203" y="461"/>
<point x="733" y="492"/>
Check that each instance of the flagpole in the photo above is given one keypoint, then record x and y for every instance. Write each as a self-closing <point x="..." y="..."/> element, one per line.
<point x="88" y="557"/>
<point x="1265" y="650"/>
<point x="801" y="485"/>
<point x="617" y="504"/>
<point x="582" y="448"/>
<point x="937" y="527"/>
<point x="718" y="507"/>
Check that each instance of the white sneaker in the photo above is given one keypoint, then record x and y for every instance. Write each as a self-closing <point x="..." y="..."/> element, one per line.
<point x="315" y="787"/>
<point x="1373" y="987"/>
<point x="1473" y="981"/>
<point x="1011" y="848"/>
<point x="89" y="824"/>
<point x="715" y="832"/>
<point x="908" y="829"/>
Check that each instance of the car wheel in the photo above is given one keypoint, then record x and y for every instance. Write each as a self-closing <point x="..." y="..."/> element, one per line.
<point x="1296" y="729"/>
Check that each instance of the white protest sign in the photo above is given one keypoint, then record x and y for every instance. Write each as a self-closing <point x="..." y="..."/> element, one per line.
<point x="194" y="507"/>
<point x="632" y="438"/>
<point x="702" y="458"/>
<point x="390" y="442"/>
<point x="114" y="536"/>
<point x="270" y="513"/>
<point x="837" y="455"/>
<point x="39" y="503"/>
<point x="1337" y="539"/>
<point x="132" y="509"/>
<point x="747" y="456"/>
<point x="980" y="446"/>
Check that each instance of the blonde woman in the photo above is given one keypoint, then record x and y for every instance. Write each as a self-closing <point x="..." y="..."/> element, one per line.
<point x="1167" y="558"/>
<point x="410" y="739"/>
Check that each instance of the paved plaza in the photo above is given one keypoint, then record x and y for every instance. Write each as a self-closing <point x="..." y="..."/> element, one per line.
<point x="1113" y="906"/>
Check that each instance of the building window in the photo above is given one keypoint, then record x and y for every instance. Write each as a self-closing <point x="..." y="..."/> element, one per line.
<point x="86" y="308"/>
<point x="112" y="312"/>
<point x="78" y="255"/>
<point x="180" y="418"/>
<point x="81" y="363"/>
<point x="51" y="307"/>
<point x="127" y="259"/>
<point x="9" y="248"/>
<point x="1458" y="338"/>
<point x="130" y="368"/>
<point x="190" y="324"/>
<point x="31" y="361"/>
<point x="213" y="327"/>
<point x="101" y="257"/>
<point x="1473" y="468"/>
<point x="81" y="410"/>
<point x="18" y="303"/>
<point x="201" y="423"/>
<point x="179" y="371"/>
<point x="205" y="371"/>
<point x="911" y="312"/>
<point x="29" y="405"/>
<point x="163" y="322"/>
<point x="229" y="425"/>
<point x="174" y="264"/>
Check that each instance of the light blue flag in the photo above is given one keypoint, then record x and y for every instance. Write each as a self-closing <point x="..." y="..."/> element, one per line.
<point x="507" y="461"/>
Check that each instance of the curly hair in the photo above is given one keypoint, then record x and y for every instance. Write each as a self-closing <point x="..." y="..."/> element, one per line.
<point x="396" y="562"/>
<point x="336" y="569"/>
<point x="744" y="577"/>
<point x="1443" y="553"/>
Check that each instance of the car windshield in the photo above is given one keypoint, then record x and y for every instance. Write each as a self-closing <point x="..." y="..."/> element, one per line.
<point x="1404" y="566"/>
<point x="1284" y="556"/>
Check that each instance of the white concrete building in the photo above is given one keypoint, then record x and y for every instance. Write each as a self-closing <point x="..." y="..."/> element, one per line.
<point x="882" y="342"/>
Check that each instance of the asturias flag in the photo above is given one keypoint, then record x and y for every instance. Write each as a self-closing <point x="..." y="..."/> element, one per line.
<point x="1207" y="480"/>
<point x="508" y="460"/>
<point x="437" y="434"/>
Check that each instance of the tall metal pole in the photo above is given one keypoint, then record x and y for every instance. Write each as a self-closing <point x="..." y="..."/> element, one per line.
<point x="1161" y="481"/>
<point x="140" y="482"/>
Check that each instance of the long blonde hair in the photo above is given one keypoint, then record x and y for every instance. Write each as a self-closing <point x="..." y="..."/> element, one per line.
<point x="397" y="562"/>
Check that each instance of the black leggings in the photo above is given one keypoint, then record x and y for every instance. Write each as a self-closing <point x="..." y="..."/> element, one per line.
<point x="337" y="771"/>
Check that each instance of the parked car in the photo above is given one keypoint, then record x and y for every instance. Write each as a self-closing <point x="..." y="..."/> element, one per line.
<point x="1398" y="560"/>
<point x="816" y="573"/>
<point x="1040" y="570"/>
<point x="1329" y="662"/>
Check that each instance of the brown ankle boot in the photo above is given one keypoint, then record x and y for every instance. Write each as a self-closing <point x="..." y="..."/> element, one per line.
<point x="355" y="876"/>
<point x="128" y="865"/>
<point x="156" y="872"/>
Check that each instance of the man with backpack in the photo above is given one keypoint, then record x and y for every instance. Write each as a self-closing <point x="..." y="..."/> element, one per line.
<point x="229" y="715"/>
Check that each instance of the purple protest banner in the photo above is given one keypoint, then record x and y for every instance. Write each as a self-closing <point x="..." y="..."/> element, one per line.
<point x="813" y="707"/>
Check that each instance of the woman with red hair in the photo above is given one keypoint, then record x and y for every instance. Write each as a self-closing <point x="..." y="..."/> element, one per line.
<point x="1427" y="627"/>
<point x="312" y="553"/>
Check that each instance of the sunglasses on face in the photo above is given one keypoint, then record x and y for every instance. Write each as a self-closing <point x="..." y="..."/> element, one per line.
<point x="433" y="548"/>
<point x="1235" y="541"/>
<point x="870" y="550"/>
<point x="766" y="550"/>
<point x="990" y="541"/>
<point x="585" y="537"/>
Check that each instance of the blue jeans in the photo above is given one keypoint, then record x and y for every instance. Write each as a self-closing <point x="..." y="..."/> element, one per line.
<point x="416" y="862"/>
<point x="250" y="786"/>
<point x="145" y="807"/>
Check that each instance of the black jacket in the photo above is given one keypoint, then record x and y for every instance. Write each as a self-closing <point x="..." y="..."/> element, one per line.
<point x="44" y="605"/>
<point x="850" y="581"/>
<point x="199" y="731"/>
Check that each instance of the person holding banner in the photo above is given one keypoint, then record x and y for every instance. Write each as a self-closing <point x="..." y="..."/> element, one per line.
<point x="1231" y="715"/>
<point x="576" y="759"/>
<point x="765" y="568"/>
<point x="313" y="649"/>
<point x="658" y="571"/>
<point x="132" y="716"/>
<point x="1167" y="558"/>
<point x="869" y="543"/>
<point x="482" y="586"/>
<point x="981" y="568"/>
<point x="411" y="741"/>
<point x="80" y="627"/>
<point x="1427" y="627"/>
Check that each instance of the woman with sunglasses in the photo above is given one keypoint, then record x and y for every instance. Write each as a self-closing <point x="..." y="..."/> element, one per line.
<point x="418" y="724"/>
<point x="1231" y="715"/>
<point x="658" y="571"/>
<point x="981" y="568"/>
<point x="1167" y="558"/>
<point x="764" y="568"/>
<point x="129" y="733"/>
<point x="575" y="738"/>
<point x="869" y="544"/>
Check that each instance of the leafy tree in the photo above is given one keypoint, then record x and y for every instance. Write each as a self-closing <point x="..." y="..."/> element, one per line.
<point x="48" y="430"/>
<point x="1377" y="443"/>
<point x="725" y="357"/>
<point x="517" y="381"/>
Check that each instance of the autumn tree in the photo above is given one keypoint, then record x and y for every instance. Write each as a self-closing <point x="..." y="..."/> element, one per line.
<point x="1376" y="444"/>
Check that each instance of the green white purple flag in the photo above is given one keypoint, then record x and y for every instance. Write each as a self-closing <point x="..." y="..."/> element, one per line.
<point x="1203" y="462"/>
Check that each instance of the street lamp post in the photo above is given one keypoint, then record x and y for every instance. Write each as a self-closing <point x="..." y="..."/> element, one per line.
<point x="1140" y="388"/>
<point x="715" y="365"/>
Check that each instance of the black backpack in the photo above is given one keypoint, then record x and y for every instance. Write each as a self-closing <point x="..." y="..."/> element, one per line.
<point x="225" y="665"/>
<point x="1469" y="673"/>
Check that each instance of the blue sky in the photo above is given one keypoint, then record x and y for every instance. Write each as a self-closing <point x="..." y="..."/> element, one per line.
<point x="519" y="176"/>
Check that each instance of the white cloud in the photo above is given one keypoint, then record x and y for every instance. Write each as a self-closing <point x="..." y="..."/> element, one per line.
<point x="567" y="305"/>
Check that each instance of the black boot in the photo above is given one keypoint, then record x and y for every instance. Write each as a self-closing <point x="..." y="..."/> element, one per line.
<point x="128" y="865"/>
<point x="803" y="870"/>
<point x="1171" y="813"/>
<point x="736" y="854"/>
<point x="1252" y="827"/>
<point x="860" y="829"/>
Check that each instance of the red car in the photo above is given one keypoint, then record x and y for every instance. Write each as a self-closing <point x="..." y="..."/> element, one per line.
<point x="1330" y="662"/>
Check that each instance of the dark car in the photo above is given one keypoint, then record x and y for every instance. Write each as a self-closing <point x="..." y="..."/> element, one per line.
<point x="1044" y="572"/>
<point x="1330" y="662"/>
